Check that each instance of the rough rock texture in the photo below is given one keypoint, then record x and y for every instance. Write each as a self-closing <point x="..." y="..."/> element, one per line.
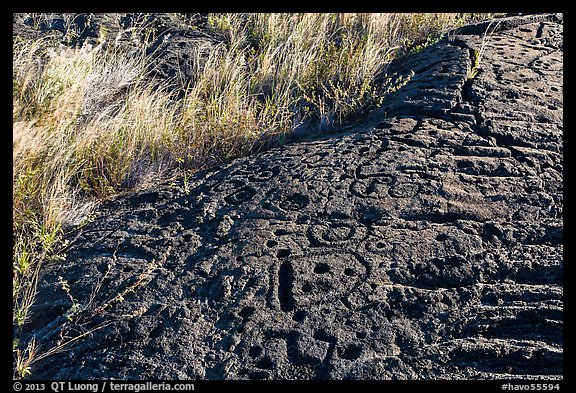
<point x="426" y="243"/>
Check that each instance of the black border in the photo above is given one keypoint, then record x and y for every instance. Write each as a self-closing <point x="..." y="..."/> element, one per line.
<point x="325" y="6"/>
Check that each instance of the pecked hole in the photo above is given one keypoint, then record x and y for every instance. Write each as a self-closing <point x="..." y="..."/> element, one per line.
<point x="283" y="253"/>
<point x="247" y="312"/>
<point x="323" y="335"/>
<point x="299" y="316"/>
<point x="441" y="237"/>
<point x="321" y="268"/>
<point x="255" y="351"/>
<point x="380" y="245"/>
<point x="265" y="363"/>
<point x="349" y="272"/>
<point x="271" y="243"/>
<point x="307" y="287"/>
<point x="350" y="352"/>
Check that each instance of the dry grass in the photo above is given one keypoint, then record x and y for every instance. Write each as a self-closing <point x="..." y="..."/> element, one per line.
<point x="88" y="123"/>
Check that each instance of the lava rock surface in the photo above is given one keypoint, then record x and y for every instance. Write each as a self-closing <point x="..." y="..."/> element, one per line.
<point x="424" y="244"/>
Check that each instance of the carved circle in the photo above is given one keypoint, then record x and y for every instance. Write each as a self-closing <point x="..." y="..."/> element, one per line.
<point x="335" y="234"/>
<point x="240" y="196"/>
<point x="293" y="202"/>
<point x="403" y="190"/>
<point x="371" y="188"/>
<point x="264" y="174"/>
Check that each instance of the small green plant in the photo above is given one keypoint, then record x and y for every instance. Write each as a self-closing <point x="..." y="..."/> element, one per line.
<point x="185" y="175"/>
<point x="220" y="22"/>
<point x="474" y="64"/>
<point x="25" y="358"/>
<point x="23" y="259"/>
<point x="476" y="55"/>
<point x="20" y="316"/>
<point x="138" y="282"/>
<point x="186" y="178"/>
<point x="75" y="308"/>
